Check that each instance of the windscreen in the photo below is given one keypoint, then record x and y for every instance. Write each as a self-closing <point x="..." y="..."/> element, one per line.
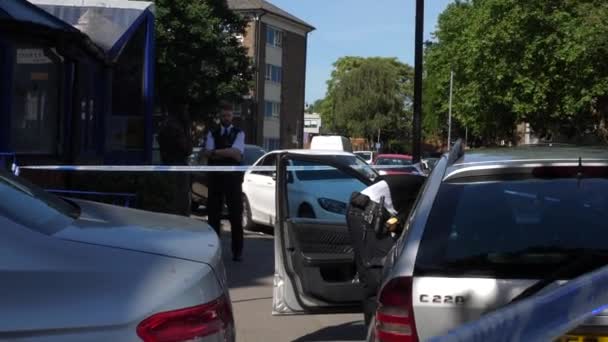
<point x="332" y="173"/>
<point x="393" y="161"/>
<point x="252" y="154"/>
<point x="32" y="207"/>
<point x="364" y="155"/>
<point x="513" y="228"/>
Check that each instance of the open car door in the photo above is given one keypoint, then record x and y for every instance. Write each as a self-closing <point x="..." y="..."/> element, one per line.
<point x="314" y="261"/>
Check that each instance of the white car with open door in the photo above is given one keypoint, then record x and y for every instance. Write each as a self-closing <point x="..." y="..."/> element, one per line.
<point x="321" y="194"/>
<point x="314" y="260"/>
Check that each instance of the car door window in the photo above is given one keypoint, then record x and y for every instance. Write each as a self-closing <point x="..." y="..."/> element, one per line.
<point x="260" y="163"/>
<point x="320" y="191"/>
<point x="270" y="161"/>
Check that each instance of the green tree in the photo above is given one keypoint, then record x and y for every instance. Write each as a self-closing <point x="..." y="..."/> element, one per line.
<point x="315" y="107"/>
<point x="369" y="94"/>
<point x="200" y="59"/>
<point x="541" y="62"/>
<point x="200" y="63"/>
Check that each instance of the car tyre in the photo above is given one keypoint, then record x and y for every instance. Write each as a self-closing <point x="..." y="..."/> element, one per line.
<point x="247" y="219"/>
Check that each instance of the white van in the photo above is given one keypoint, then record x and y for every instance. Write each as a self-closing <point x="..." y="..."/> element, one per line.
<point x="331" y="143"/>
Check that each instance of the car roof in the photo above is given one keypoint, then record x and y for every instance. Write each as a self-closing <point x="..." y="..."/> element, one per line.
<point x="253" y="146"/>
<point x="530" y="154"/>
<point x="315" y="152"/>
<point x="398" y="156"/>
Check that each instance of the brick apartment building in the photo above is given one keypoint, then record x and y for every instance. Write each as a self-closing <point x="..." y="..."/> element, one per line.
<point x="273" y="116"/>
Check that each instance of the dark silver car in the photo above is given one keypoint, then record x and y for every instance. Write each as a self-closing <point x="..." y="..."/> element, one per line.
<point x="488" y="227"/>
<point x="74" y="270"/>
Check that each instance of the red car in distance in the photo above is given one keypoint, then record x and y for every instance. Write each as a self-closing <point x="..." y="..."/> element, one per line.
<point x="402" y="162"/>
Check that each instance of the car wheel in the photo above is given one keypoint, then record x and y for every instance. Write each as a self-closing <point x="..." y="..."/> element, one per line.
<point x="246" y="216"/>
<point x="306" y="211"/>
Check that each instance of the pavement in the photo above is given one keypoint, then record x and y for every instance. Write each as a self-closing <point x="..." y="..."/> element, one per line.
<point x="251" y="293"/>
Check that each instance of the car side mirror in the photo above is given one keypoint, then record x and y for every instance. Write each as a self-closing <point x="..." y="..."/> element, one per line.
<point x="274" y="176"/>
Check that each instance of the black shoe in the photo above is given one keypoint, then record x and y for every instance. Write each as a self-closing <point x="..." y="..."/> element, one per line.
<point x="237" y="258"/>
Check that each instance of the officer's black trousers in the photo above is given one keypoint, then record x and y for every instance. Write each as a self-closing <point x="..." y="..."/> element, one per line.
<point x="369" y="249"/>
<point x="230" y="187"/>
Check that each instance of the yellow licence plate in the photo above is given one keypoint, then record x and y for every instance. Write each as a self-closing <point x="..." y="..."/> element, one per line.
<point x="579" y="338"/>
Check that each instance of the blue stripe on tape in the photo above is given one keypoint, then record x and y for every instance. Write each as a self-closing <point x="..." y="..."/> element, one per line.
<point x="167" y="168"/>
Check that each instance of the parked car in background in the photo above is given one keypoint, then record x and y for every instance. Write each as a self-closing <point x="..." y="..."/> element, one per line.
<point x="321" y="194"/>
<point x="199" y="179"/>
<point x="368" y="156"/>
<point x="74" y="270"/>
<point x="331" y="143"/>
<point x="402" y="164"/>
<point x="488" y="228"/>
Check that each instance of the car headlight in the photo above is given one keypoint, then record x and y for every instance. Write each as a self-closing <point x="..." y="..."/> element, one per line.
<point x="333" y="206"/>
<point x="382" y="173"/>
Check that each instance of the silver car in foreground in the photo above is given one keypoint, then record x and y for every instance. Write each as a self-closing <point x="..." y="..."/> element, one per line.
<point x="74" y="270"/>
<point x="492" y="227"/>
<point x="488" y="227"/>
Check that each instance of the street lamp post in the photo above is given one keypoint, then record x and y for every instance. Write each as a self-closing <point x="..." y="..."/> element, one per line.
<point x="450" y="111"/>
<point x="417" y="120"/>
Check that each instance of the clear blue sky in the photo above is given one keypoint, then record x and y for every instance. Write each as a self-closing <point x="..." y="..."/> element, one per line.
<point x="357" y="28"/>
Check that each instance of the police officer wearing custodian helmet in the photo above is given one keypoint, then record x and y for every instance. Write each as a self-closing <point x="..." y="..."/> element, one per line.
<point x="225" y="146"/>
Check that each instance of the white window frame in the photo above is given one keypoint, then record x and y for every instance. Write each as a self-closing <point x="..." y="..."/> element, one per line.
<point x="275" y="111"/>
<point x="277" y="36"/>
<point x="268" y="74"/>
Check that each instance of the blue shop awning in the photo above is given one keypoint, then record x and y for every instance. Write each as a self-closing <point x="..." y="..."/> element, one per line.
<point x="108" y="23"/>
<point x="23" y="11"/>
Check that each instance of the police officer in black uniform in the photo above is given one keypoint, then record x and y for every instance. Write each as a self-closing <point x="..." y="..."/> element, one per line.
<point x="225" y="147"/>
<point x="376" y="218"/>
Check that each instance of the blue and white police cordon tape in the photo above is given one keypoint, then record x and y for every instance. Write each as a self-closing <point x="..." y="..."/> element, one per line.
<point x="543" y="317"/>
<point x="186" y="168"/>
<point x="15" y="169"/>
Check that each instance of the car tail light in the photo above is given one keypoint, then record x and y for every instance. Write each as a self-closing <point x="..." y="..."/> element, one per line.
<point x="189" y="323"/>
<point x="395" y="315"/>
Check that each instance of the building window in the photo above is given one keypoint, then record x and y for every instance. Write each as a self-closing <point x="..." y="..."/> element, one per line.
<point x="271" y="144"/>
<point x="35" y="105"/>
<point x="272" y="109"/>
<point x="274" y="73"/>
<point x="310" y="124"/>
<point x="274" y="37"/>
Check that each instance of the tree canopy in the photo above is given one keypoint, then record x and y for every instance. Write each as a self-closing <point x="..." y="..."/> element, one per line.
<point x="200" y="58"/>
<point x="542" y="62"/>
<point x="366" y="95"/>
